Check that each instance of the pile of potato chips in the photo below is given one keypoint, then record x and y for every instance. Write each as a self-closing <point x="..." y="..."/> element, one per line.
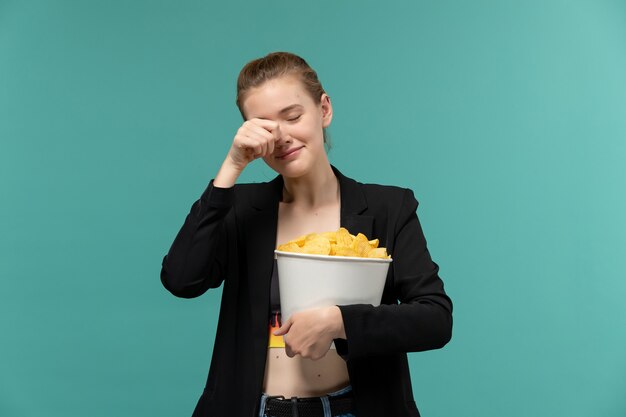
<point x="339" y="243"/>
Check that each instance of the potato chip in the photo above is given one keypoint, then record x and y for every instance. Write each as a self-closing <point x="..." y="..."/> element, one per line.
<point x="361" y="245"/>
<point x="290" y="247"/>
<point x="339" y="243"/>
<point x="345" y="251"/>
<point x="331" y="236"/>
<point x="378" y="253"/>
<point x="310" y="236"/>
<point x="344" y="238"/>
<point x="317" y="246"/>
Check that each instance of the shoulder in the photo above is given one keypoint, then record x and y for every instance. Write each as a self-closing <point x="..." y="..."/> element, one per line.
<point x="391" y="190"/>
<point x="258" y="194"/>
<point x="249" y="187"/>
<point x="254" y="188"/>
<point x="370" y="189"/>
<point x="376" y="197"/>
<point x="387" y="195"/>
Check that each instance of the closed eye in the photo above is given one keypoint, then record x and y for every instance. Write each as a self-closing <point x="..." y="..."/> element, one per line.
<point x="293" y="119"/>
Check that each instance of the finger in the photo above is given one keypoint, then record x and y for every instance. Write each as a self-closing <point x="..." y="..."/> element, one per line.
<point x="262" y="135"/>
<point x="261" y="142"/>
<point x="289" y="351"/>
<point x="257" y="147"/>
<point x="284" y="329"/>
<point x="245" y="142"/>
<point x="277" y="133"/>
<point x="254" y="130"/>
<point x="266" y="124"/>
<point x="320" y="353"/>
<point x="270" y="148"/>
<point x="263" y="148"/>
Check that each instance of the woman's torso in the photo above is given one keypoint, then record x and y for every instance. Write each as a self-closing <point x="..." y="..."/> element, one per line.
<point x="300" y="376"/>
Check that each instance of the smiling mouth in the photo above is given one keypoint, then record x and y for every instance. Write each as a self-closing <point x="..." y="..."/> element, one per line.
<point x="283" y="156"/>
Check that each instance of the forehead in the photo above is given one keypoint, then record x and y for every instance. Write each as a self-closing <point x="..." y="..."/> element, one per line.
<point x="268" y="99"/>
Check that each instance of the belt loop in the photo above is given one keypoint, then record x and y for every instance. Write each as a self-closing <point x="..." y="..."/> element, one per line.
<point x="265" y="403"/>
<point x="262" y="405"/>
<point x="294" y="406"/>
<point x="326" y="406"/>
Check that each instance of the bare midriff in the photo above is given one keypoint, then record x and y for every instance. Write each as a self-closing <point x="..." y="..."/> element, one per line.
<point x="298" y="376"/>
<point x="302" y="377"/>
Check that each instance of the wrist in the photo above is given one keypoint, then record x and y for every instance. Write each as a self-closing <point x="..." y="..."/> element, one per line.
<point x="339" y="332"/>
<point x="227" y="175"/>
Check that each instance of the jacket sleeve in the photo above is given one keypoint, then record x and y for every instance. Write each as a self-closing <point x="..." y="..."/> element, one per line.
<point x="422" y="320"/>
<point x="197" y="259"/>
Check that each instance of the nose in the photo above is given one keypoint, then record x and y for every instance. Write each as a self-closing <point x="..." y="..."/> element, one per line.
<point x="282" y="137"/>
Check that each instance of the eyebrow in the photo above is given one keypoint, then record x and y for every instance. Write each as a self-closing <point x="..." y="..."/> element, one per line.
<point x="284" y="110"/>
<point x="288" y="108"/>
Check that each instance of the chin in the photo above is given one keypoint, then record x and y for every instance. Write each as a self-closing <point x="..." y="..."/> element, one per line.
<point x="293" y="169"/>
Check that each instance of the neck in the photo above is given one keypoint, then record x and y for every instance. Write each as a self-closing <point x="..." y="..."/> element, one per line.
<point x="318" y="188"/>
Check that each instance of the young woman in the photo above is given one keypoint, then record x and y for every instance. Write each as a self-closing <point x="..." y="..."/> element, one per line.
<point x="262" y="366"/>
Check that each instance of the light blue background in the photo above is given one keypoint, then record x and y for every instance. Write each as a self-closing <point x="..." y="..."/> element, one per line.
<point x="507" y="119"/>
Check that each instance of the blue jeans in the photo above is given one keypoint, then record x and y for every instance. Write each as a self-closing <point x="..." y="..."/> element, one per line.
<point x="324" y="400"/>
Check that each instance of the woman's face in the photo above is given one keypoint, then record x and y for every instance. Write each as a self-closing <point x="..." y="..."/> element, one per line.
<point x="300" y="146"/>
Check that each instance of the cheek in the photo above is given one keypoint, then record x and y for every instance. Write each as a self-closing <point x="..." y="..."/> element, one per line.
<point x="306" y="130"/>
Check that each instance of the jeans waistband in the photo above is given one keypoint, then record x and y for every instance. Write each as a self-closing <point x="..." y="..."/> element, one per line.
<point x="325" y="400"/>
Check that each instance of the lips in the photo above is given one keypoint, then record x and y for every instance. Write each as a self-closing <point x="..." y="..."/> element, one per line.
<point x="289" y="152"/>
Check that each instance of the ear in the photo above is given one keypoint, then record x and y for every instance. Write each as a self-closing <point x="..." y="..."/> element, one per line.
<point x="327" y="110"/>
